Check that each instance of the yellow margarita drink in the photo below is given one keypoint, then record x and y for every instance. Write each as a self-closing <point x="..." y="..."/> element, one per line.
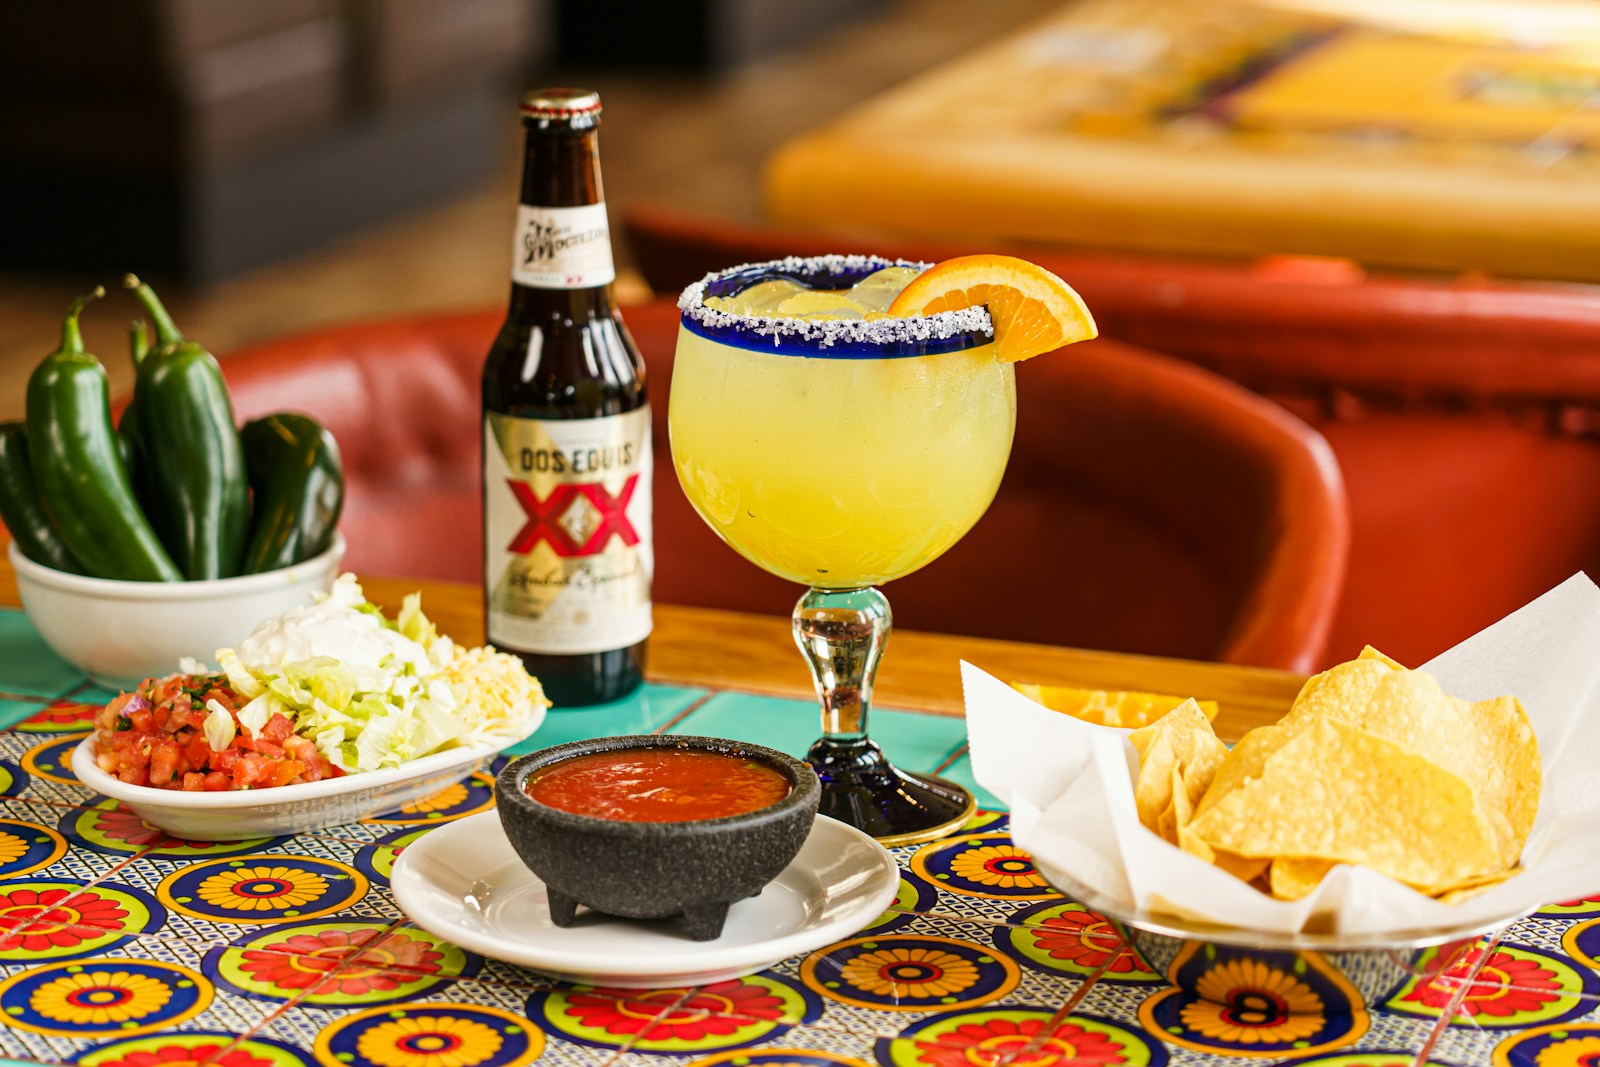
<point x="841" y="421"/>
<point x="839" y="471"/>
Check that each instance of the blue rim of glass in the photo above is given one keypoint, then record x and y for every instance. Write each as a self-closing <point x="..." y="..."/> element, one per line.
<point x="922" y="335"/>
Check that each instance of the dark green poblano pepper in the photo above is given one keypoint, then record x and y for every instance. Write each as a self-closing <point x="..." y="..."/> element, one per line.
<point x="77" y="467"/>
<point x="19" y="505"/>
<point x="191" y="461"/>
<point x="298" y="483"/>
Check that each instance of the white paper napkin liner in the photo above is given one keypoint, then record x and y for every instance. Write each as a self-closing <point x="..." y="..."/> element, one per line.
<point x="1069" y="785"/>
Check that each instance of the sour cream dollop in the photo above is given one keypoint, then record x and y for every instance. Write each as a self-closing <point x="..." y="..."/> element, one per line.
<point x="335" y="628"/>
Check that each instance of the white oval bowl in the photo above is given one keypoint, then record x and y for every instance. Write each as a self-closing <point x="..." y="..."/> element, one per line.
<point x="122" y="632"/>
<point x="235" y="815"/>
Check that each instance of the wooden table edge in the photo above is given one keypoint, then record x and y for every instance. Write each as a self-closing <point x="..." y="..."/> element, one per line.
<point x="741" y="652"/>
<point x="728" y="650"/>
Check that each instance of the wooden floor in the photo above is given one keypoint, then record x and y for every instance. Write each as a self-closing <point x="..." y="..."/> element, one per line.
<point x="696" y="144"/>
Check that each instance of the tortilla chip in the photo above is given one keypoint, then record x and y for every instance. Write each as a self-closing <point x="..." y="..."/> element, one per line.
<point x="1471" y="887"/>
<point x="1192" y="844"/>
<point x="1182" y="811"/>
<point x="1166" y="820"/>
<point x="1193" y="742"/>
<point x="1246" y="869"/>
<point x="1508" y="738"/>
<point x="1246" y="762"/>
<point x="1492" y="748"/>
<point x="1345" y="685"/>
<point x="1178" y="757"/>
<point x="1368" y="652"/>
<point x="1293" y="877"/>
<point x="1334" y="792"/>
<point x="1158" y="778"/>
<point x="1374" y="765"/>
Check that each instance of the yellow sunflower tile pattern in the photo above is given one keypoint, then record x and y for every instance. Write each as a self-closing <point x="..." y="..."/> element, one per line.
<point x="123" y="947"/>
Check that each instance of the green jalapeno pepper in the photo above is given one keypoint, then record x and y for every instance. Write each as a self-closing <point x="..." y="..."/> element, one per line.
<point x="19" y="505"/>
<point x="297" y="479"/>
<point x="127" y="429"/>
<point x="73" y="455"/>
<point x="192" y="463"/>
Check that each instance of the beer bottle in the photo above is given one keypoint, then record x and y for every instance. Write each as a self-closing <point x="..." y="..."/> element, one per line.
<point x="566" y="431"/>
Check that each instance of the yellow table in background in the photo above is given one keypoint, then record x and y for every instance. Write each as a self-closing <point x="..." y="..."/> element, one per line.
<point x="1439" y="136"/>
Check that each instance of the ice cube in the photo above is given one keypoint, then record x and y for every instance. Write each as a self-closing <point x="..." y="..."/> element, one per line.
<point x="762" y="298"/>
<point x="820" y="304"/>
<point x="877" y="290"/>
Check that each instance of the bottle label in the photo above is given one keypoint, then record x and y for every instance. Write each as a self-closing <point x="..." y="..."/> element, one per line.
<point x="568" y="553"/>
<point x="562" y="247"/>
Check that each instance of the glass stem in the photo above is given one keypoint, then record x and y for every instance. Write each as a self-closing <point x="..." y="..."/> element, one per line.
<point x="842" y="633"/>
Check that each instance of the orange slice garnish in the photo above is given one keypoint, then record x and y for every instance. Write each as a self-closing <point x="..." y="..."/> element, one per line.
<point x="1033" y="310"/>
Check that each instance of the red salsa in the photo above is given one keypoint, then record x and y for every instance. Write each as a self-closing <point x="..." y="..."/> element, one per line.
<point x="657" y="785"/>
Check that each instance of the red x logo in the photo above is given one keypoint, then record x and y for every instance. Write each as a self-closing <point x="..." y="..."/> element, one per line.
<point x="543" y="516"/>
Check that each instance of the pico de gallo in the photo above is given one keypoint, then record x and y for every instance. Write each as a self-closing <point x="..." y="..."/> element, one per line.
<point x="183" y="732"/>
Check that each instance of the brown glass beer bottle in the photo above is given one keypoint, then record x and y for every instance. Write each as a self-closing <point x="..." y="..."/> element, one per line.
<point x="566" y="431"/>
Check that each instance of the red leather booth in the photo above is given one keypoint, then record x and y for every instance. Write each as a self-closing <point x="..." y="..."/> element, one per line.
<point x="1464" y="412"/>
<point x="1149" y="506"/>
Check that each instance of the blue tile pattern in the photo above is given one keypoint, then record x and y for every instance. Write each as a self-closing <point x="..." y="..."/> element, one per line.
<point x="120" y="947"/>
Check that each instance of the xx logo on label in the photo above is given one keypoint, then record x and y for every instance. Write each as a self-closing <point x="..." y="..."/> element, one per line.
<point x="546" y="518"/>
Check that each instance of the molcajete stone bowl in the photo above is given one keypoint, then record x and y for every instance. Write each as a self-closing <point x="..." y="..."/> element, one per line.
<point x="692" y="870"/>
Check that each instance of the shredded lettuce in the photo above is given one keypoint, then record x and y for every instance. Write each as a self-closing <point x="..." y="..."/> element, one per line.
<point x="254" y="715"/>
<point x="372" y="693"/>
<point x="413" y="623"/>
<point x="241" y="680"/>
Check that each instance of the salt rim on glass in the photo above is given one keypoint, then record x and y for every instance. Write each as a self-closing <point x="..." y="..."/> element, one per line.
<point x="1069" y="785"/>
<point x="828" y="332"/>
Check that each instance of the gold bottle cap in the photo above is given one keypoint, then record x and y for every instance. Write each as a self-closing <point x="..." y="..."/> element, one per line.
<point x="561" y="103"/>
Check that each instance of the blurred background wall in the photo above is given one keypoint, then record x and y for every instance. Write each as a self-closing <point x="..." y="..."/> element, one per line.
<point x="275" y="164"/>
<point x="1378" y="213"/>
<point x="211" y="137"/>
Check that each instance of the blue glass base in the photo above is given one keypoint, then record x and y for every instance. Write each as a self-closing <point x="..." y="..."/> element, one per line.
<point x="861" y="787"/>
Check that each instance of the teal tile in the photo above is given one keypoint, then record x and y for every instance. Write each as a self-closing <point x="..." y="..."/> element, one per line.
<point x="644" y="712"/>
<point x="786" y="725"/>
<point x="960" y="772"/>
<point x="27" y="666"/>
<point x="917" y="742"/>
<point x="14" y="711"/>
<point x="94" y="693"/>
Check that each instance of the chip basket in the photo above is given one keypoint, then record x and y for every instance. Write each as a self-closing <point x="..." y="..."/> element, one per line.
<point x="1370" y="965"/>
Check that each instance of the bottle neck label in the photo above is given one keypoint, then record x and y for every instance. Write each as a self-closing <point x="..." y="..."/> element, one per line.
<point x="568" y="552"/>
<point x="562" y="247"/>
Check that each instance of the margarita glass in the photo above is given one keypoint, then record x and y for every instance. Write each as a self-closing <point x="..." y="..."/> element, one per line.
<point x="842" y="454"/>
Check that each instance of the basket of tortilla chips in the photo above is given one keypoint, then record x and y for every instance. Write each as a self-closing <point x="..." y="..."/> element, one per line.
<point x="1373" y="765"/>
<point x="1387" y="806"/>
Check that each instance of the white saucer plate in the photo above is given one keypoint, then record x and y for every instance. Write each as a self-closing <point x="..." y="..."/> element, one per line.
<point x="464" y="882"/>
